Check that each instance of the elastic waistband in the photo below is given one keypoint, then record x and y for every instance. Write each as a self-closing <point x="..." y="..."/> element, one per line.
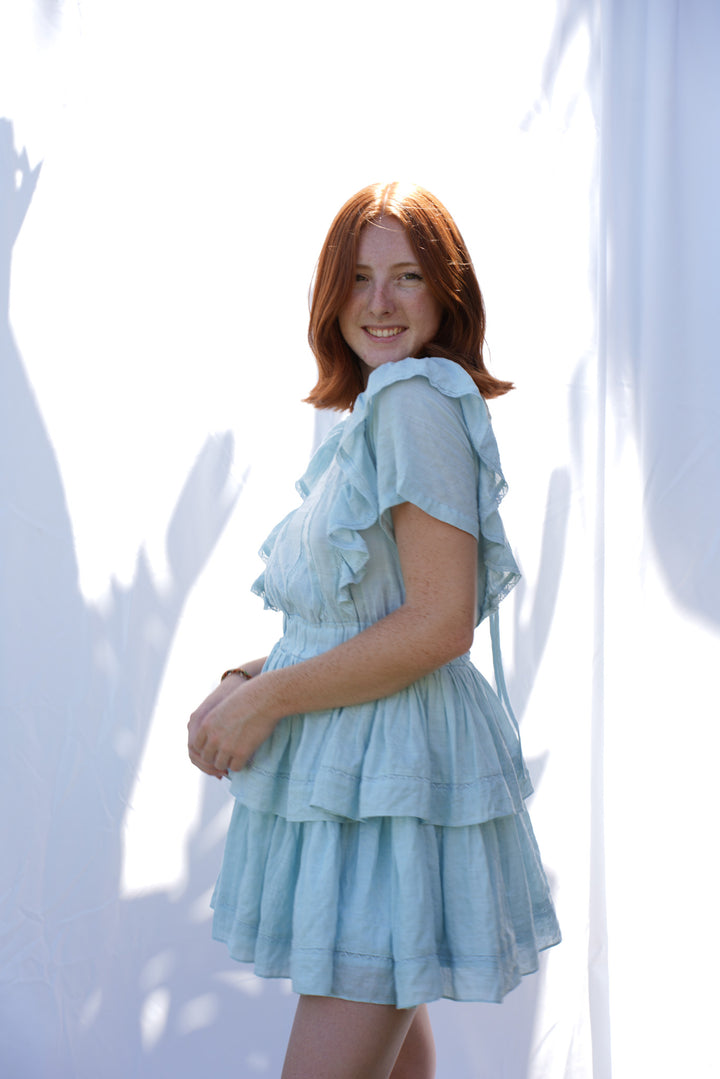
<point x="304" y="639"/>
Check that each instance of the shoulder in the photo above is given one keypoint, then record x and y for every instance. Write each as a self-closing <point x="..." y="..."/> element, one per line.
<point x="422" y="399"/>
<point x="412" y="389"/>
<point x="430" y="375"/>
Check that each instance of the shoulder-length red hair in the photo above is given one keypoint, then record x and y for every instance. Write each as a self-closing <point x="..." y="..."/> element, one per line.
<point x="446" y="266"/>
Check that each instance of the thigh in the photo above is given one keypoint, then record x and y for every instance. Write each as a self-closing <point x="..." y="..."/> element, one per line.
<point x="416" y="1059"/>
<point x="341" y="1039"/>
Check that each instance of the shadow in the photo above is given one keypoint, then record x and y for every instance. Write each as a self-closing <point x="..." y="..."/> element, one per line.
<point x="663" y="284"/>
<point x="573" y="17"/>
<point x="531" y="628"/>
<point x="503" y="1036"/>
<point x="170" y="996"/>
<point x="77" y="690"/>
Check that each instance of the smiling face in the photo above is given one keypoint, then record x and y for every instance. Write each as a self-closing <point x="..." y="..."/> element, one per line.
<point x="390" y="313"/>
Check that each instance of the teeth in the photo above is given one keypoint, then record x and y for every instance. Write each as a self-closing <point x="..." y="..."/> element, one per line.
<point x="384" y="333"/>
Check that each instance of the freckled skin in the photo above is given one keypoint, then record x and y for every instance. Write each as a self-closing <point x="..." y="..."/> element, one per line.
<point x="389" y="293"/>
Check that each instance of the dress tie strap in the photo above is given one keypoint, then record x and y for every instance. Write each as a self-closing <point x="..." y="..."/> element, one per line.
<point x="500" y="686"/>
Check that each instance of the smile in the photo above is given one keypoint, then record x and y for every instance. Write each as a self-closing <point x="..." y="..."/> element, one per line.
<point x="392" y="331"/>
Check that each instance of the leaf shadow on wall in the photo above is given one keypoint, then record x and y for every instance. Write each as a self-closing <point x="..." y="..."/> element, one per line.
<point x="78" y="687"/>
<point x="663" y="285"/>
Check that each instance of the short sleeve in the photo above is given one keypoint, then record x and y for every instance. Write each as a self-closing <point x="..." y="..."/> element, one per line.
<point x="424" y="454"/>
<point x="419" y="433"/>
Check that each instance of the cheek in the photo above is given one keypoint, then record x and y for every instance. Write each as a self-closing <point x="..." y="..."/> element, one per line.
<point x="347" y="322"/>
<point x="433" y="316"/>
<point x="351" y="306"/>
<point x="343" y="320"/>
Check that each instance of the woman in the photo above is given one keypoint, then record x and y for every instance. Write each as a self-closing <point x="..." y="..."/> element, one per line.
<point x="379" y="852"/>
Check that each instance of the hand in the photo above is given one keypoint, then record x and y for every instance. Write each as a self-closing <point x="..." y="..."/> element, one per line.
<point x="227" y="728"/>
<point x="218" y="695"/>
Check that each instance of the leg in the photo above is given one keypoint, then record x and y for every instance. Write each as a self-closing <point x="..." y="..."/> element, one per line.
<point x="416" y="1059"/>
<point x="340" y="1039"/>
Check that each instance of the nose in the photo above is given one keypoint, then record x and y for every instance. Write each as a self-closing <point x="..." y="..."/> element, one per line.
<point x="380" y="299"/>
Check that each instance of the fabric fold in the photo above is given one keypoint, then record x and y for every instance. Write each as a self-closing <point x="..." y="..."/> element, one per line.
<point x="382" y="851"/>
<point x="443" y="750"/>
<point x="380" y="467"/>
<point x="402" y="912"/>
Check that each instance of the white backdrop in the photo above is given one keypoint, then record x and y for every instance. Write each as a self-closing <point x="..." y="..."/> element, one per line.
<point x="167" y="174"/>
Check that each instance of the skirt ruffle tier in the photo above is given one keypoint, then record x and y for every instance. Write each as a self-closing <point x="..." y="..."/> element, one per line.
<point x="384" y="854"/>
<point x="391" y="910"/>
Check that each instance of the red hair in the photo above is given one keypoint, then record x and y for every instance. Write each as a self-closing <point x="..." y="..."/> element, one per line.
<point x="448" y="270"/>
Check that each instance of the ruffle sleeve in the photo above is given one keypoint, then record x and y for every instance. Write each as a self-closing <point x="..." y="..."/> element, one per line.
<point x="421" y="433"/>
<point x="443" y="749"/>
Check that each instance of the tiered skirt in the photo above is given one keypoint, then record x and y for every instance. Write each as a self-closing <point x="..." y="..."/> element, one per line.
<point x="383" y="853"/>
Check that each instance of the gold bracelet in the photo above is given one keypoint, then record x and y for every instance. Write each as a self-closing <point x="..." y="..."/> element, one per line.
<point x="236" y="670"/>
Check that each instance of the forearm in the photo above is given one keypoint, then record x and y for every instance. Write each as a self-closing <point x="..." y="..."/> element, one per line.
<point x="379" y="661"/>
<point x="433" y="625"/>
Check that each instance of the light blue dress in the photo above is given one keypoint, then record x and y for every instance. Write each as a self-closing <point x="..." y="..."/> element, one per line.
<point x="382" y="852"/>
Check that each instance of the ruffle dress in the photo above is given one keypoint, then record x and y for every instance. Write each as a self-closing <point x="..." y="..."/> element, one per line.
<point x="382" y="852"/>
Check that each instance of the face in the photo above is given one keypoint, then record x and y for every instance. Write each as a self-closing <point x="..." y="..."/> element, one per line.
<point x="390" y="313"/>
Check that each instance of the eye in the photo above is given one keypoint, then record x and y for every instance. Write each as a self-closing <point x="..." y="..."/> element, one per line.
<point x="411" y="276"/>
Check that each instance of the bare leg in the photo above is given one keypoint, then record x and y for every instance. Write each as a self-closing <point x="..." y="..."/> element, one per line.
<point x="416" y="1059"/>
<point x="340" y="1039"/>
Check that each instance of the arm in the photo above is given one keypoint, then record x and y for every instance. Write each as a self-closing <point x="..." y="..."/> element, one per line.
<point x="434" y="625"/>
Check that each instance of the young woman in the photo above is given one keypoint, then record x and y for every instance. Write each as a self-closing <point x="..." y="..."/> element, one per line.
<point x="379" y="853"/>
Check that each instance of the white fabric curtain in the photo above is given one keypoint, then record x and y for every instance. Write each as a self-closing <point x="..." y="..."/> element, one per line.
<point x="167" y="174"/>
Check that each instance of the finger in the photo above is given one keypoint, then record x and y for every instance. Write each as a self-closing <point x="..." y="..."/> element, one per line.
<point x="204" y="766"/>
<point x="238" y="762"/>
<point x="203" y="758"/>
<point x="228" y="761"/>
<point x="220" y="762"/>
<point x="197" y="735"/>
<point x="208" y="770"/>
<point x="204" y="747"/>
